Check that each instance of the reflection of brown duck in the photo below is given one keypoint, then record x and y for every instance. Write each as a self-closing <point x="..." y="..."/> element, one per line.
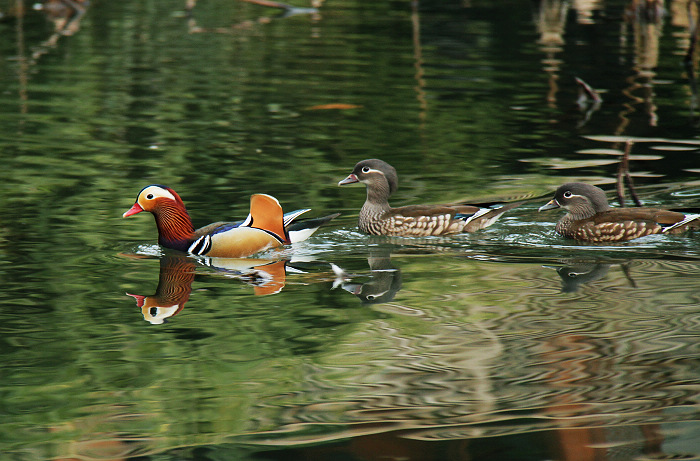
<point x="384" y="282"/>
<point x="576" y="274"/>
<point x="177" y="274"/>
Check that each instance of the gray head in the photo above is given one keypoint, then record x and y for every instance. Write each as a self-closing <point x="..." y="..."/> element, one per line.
<point x="375" y="174"/>
<point x="579" y="199"/>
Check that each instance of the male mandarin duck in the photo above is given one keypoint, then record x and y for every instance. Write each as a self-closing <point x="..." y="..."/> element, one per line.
<point x="265" y="227"/>
<point x="377" y="217"/>
<point x="591" y="219"/>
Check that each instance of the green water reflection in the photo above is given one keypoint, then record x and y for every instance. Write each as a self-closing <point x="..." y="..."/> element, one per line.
<point x="512" y="343"/>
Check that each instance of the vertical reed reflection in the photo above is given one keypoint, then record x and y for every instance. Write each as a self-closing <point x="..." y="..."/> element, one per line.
<point x="551" y="24"/>
<point x="21" y="56"/>
<point x="418" y="64"/>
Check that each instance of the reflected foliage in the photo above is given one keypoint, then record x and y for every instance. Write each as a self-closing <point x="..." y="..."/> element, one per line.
<point x="472" y="347"/>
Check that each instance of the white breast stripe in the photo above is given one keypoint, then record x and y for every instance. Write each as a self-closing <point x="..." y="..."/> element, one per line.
<point x="248" y="221"/>
<point x="200" y="246"/>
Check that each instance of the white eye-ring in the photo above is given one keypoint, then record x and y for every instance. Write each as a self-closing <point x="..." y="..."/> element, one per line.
<point x="365" y="169"/>
<point x="568" y="194"/>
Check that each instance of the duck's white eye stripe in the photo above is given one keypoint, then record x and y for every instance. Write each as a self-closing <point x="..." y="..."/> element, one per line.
<point x="370" y="170"/>
<point x="155" y="191"/>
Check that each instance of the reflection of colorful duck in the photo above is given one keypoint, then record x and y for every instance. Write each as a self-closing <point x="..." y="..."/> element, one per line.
<point x="177" y="274"/>
<point x="266" y="276"/>
<point x="174" y="287"/>
<point x="384" y="282"/>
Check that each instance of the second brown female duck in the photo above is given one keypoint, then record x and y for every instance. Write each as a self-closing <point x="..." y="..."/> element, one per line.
<point x="591" y="219"/>
<point x="377" y="217"/>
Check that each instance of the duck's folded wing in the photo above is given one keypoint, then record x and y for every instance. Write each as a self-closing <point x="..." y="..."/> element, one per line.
<point x="236" y="242"/>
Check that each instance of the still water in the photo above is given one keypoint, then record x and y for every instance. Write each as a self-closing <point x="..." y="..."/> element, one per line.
<point x="507" y="344"/>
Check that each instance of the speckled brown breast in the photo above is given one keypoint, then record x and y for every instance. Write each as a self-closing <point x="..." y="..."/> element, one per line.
<point x="420" y="221"/>
<point x="620" y="225"/>
<point x="589" y="231"/>
<point x="421" y="226"/>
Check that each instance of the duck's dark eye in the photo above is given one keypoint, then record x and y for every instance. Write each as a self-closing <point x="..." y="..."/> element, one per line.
<point x="568" y="194"/>
<point x="149" y="197"/>
<point x="365" y="169"/>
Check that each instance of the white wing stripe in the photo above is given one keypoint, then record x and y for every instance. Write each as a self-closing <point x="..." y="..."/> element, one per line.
<point x="480" y="212"/>
<point x="686" y="220"/>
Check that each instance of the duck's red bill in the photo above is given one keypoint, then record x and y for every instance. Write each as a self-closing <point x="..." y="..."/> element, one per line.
<point x="133" y="210"/>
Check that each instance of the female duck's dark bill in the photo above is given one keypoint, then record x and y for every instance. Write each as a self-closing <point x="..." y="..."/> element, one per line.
<point x="552" y="204"/>
<point x="349" y="180"/>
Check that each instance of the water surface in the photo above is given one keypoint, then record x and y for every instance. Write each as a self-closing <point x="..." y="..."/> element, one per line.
<point x="511" y="343"/>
